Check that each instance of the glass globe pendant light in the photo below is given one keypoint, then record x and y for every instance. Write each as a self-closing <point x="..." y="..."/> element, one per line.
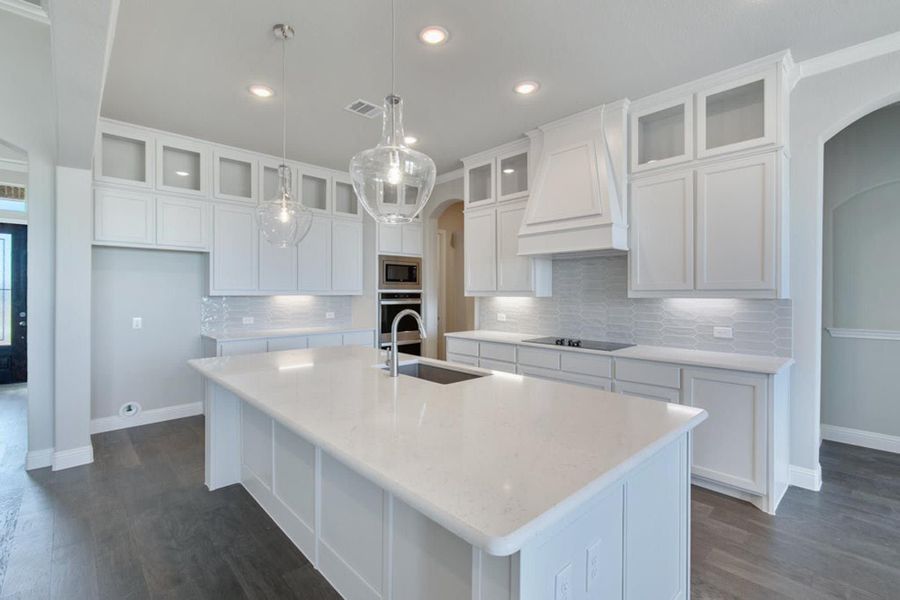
<point x="282" y="220"/>
<point x="392" y="181"/>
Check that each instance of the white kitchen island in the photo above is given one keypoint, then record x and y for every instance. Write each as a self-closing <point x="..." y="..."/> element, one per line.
<point x="501" y="487"/>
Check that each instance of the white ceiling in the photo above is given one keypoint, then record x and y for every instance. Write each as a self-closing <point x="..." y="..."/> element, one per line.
<point x="184" y="66"/>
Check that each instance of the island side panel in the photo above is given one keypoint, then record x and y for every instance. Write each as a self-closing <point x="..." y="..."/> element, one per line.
<point x="222" y="466"/>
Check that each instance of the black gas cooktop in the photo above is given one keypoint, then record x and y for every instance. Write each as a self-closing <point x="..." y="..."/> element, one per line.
<point x="576" y="343"/>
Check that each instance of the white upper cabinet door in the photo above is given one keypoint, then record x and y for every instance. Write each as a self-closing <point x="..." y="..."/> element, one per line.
<point x="514" y="272"/>
<point x="736" y="211"/>
<point x="662" y="233"/>
<point x="235" y="251"/>
<point x="730" y="446"/>
<point x="124" y="155"/>
<point x="182" y="223"/>
<point x="479" y="183"/>
<point x="269" y="184"/>
<point x="662" y="134"/>
<point x="481" y="251"/>
<point x="316" y="189"/>
<point x="512" y="174"/>
<point x="346" y="204"/>
<point x="738" y="115"/>
<point x="315" y="257"/>
<point x="277" y="267"/>
<point x="346" y="256"/>
<point x="235" y="176"/>
<point x="182" y="166"/>
<point x="390" y="239"/>
<point x="124" y="217"/>
<point x="411" y="238"/>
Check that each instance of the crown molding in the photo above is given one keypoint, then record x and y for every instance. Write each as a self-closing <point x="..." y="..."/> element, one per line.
<point x="448" y="176"/>
<point x="886" y="44"/>
<point x="26" y="9"/>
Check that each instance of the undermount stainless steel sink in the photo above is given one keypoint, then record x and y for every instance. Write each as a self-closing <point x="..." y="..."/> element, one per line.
<point x="435" y="373"/>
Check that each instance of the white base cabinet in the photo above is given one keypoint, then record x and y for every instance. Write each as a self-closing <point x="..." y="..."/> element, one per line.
<point x="354" y="337"/>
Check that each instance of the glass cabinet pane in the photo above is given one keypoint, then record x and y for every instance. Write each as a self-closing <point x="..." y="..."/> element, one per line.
<point x="235" y="178"/>
<point x="314" y="192"/>
<point x="345" y="199"/>
<point x="661" y="135"/>
<point x="480" y="183"/>
<point x="410" y="194"/>
<point x="270" y="183"/>
<point x="181" y="168"/>
<point x="736" y="115"/>
<point x="124" y="158"/>
<point x="514" y="175"/>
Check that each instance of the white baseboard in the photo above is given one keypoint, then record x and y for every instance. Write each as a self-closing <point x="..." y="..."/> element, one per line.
<point x="74" y="457"/>
<point x="146" y="417"/>
<point x="858" y="437"/>
<point x="808" y="479"/>
<point x="38" y="459"/>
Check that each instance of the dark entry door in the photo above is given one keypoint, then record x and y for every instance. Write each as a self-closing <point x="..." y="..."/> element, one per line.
<point x="13" y="310"/>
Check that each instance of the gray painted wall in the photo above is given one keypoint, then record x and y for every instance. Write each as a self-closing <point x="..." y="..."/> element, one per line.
<point x="590" y="301"/>
<point x="861" y="280"/>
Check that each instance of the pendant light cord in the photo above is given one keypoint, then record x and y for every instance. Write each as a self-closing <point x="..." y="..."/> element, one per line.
<point x="393" y="50"/>
<point x="284" y="98"/>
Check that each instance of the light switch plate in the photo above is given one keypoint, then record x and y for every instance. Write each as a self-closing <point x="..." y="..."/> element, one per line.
<point x="137" y="322"/>
<point x="501" y="316"/>
<point x="563" y="586"/>
<point x="329" y="315"/>
<point x="724" y="333"/>
<point x="247" y="320"/>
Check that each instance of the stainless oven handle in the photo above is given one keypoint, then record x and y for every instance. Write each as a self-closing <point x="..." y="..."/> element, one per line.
<point x="396" y="302"/>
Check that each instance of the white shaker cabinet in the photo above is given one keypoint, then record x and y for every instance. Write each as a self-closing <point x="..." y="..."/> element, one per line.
<point x="402" y="240"/>
<point x="736" y="214"/>
<point x="182" y="223"/>
<point x="346" y="256"/>
<point x="277" y="268"/>
<point x="662" y="234"/>
<point x="514" y="272"/>
<point x="124" y="217"/>
<point x="235" y="250"/>
<point x="480" y="251"/>
<point x="315" y="257"/>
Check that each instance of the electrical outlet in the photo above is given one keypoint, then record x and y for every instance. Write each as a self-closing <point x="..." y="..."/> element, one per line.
<point x="247" y="320"/>
<point x="329" y="315"/>
<point x="137" y="322"/>
<point x="725" y="333"/>
<point x="501" y="316"/>
<point x="564" y="589"/>
<point x="594" y="565"/>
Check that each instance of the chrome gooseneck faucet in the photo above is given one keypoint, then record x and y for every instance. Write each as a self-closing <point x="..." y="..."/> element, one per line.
<point x="392" y="355"/>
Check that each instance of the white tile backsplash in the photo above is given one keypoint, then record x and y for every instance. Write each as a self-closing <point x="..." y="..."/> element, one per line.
<point x="227" y="313"/>
<point x="590" y="301"/>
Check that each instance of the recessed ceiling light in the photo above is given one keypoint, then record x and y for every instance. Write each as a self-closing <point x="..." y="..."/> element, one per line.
<point x="508" y="171"/>
<point x="261" y="91"/>
<point x="434" y="35"/>
<point x="527" y="87"/>
<point x="410" y="140"/>
<point x="182" y="173"/>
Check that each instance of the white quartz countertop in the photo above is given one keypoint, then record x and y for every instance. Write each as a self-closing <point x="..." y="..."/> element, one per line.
<point x="697" y="358"/>
<point x="258" y="334"/>
<point x="495" y="460"/>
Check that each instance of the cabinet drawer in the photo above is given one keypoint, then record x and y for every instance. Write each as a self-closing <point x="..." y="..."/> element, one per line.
<point x="497" y="365"/>
<point x="601" y="383"/>
<point x="537" y="357"/>
<point x="587" y="364"/>
<point x="642" y="390"/>
<point x="326" y="339"/>
<point x="504" y="352"/>
<point x="294" y="342"/>
<point x="462" y="359"/>
<point x="359" y="338"/>
<point x="639" y="371"/>
<point x="460" y="346"/>
<point x="243" y="347"/>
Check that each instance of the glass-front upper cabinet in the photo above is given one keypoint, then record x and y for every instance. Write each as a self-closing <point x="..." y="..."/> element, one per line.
<point x="345" y="202"/>
<point x="737" y="115"/>
<point x="269" y="184"/>
<point x="182" y="166"/>
<point x="512" y="169"/>
<point x="315" y="189"/>
<point x="479" y="182"/>
<point x="662" y="135"/>
<point x="123" y="155"/>
<point x="234" y="176"/>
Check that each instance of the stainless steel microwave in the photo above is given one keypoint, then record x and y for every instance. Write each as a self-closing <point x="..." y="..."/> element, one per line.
<point x="400" y="273"/>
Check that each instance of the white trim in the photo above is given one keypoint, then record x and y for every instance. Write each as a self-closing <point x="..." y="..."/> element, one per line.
<point x="38" y="459"/>
<point x="867" y="50"/>
<point x="146" y="417"/>
<point x="75" y="457"/>
<point x="449" y="176"/>
<point x="26" y="9"/>
<point x="864" y="334"/>
<point x="11" y="164"/>
<point x="858" y="437"/>
<point x="808" y="479"/>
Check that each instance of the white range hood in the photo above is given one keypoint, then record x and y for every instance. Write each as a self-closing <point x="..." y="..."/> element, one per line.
<point x="579" y="199"/>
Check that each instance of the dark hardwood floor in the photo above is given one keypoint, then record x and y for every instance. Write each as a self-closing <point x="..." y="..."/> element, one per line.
<point x="138" y="523"/>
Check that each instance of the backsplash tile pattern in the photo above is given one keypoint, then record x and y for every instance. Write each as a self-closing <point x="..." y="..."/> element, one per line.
<point x="225" y="313"/>
<point x="590" y="301"/>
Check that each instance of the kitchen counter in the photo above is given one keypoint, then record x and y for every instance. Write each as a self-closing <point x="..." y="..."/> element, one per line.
<point x="258" y="334"/>
<point x="698" y="358"/>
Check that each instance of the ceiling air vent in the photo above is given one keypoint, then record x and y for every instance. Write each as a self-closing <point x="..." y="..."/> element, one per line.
<point x="364" y="108"/>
